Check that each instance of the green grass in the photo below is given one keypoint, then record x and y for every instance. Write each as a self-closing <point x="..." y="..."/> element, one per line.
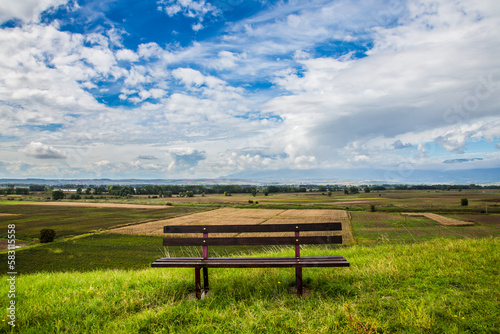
<point x="437" y="286"/>
<point x="70" y="221"/>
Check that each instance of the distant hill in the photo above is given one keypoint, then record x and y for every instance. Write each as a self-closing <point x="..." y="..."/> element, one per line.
<point x="469" y="176"/>
<point x="295" y="176"/>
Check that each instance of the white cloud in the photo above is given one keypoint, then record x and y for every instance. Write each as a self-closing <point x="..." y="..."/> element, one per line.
<point x="193" y="78"/>
<point x="185" y="158"/>
<point x="42" y="151"/>
<point x="190" y="8"/>
<point x="26" y="10"/>
<point x="125" y="54"/>
<point x="404" y="86"/>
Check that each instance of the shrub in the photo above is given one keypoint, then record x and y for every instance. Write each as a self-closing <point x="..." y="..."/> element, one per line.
<point x="464" y="201"/>
<point x="47" y="235"/>
<point x="57" y="195"/>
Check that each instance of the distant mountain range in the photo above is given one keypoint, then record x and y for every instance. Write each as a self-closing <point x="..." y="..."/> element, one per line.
<point x="371" y="176"/>
<point x="291" y="176"/>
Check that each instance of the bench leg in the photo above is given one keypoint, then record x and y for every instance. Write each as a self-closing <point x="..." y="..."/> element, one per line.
<point x="205" y="280"/>
<point x="197" y="282"/>
<point x="298" y="281"/>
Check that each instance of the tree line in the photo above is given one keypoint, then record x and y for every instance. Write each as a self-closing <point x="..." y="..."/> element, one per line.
<point x="191" y="190"/>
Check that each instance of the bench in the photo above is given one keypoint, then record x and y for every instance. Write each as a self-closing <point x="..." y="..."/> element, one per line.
<point x="296" y="239"/>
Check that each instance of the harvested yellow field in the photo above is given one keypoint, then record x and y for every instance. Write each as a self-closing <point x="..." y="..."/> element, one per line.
<point x="438" y="218"/>
<point x="228" y="216"/>
<point x="225" y="216"/>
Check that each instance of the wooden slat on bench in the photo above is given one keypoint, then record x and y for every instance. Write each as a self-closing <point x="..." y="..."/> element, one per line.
<point x="252" y="228"/>
<point x="335" y="239"/>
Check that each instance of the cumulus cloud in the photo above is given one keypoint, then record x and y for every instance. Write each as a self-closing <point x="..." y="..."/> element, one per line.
<point x="27" y="10"/>
<point x="402" y="88"/>
<point x="42" y="151"/>
<point x="184" y="159"/>
<point x="398" y="145"/>
<point x="196" y="9"/>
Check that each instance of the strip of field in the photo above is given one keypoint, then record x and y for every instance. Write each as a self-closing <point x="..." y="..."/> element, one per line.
<point x="438" y="218"/>
<point x="377" y="227"/>
<point x="100" y="205"/>
<point x="227" y="216"/>
<point x="75" y="220"/>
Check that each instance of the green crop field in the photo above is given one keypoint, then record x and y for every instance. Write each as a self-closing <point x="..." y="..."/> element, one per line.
<point x="71" y="221"/>
<point x="375" y="227"/>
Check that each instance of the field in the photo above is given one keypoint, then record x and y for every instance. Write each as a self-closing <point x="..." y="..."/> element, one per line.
<point x="70" y="220"/>
<point x="408" y="273"/>
<point x="385" y="201"/>
<point x="228" y="216"/>
<point x="375" y="227"/>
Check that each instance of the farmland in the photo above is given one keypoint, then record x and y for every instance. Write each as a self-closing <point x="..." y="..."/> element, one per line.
<point x="407" y="274"/>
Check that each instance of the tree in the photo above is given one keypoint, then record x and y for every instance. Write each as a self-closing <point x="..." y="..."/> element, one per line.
<point x="353" y="190"/>
<point x="254" y="192"/>
<point x="79" y="191"/>
<point x="464" y="201"/>
<point x="37" y="187"/>
<point x="47" y="235"/>
<point x="57" y="195"/>
<point x="22" y="191"/>
<point x="367" y="189"/>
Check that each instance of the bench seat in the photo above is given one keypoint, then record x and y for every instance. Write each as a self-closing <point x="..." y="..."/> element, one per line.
<point x="252" y="262"/>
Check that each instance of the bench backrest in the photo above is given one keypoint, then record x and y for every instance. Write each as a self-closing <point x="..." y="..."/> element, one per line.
<point x="296" y="240"/>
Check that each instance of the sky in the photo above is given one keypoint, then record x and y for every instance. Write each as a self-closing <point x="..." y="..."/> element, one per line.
<point x="205" y="89"/>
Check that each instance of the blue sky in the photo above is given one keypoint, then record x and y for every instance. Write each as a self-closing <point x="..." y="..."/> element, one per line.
<point x="199" y="88"/>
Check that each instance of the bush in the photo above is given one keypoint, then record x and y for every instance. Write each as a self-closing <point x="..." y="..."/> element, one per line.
<point x="47" y="235"/>
<point x="57" y="195"/>
<point x="464" y="201"/>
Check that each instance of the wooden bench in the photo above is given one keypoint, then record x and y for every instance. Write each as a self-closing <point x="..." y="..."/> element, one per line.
<point x="206" y="262"/>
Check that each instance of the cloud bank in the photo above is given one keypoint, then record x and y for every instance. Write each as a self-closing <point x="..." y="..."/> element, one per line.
<point x="298" y="85"/>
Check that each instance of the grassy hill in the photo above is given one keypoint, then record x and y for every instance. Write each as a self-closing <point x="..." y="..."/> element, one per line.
<point x="436" y="286"/>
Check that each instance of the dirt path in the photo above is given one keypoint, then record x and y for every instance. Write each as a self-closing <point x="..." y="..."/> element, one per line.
<point x="101" y="205"/>
<point x="438" y="218"/>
